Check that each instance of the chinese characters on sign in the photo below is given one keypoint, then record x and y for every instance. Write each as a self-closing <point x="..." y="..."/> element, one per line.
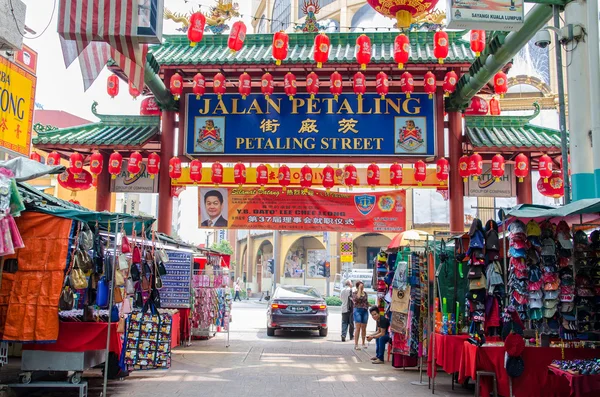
<point x="297" y="209"/>
<point x="278" y="126"/>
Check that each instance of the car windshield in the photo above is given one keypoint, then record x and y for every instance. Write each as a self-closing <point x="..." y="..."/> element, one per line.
<point x="297" y="291"/>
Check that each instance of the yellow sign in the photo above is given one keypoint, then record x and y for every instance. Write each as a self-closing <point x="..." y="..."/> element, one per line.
<point x="346" y="250"/>
<point x="17" y="100"/>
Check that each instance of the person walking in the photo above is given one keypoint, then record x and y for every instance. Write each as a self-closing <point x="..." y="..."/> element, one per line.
<point x="382" y="335"/>
<point x="361" y="316"/>
<point x="347" y="309"/>
<point x="237" y="288"/>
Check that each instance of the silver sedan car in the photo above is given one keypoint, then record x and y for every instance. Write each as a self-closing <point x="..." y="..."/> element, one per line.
<point x="297" y="308"/>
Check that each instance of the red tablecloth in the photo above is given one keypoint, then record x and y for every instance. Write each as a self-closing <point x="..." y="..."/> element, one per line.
<point x="185" y="330"/>
<point x="447" y="352"/>
<point x="534" y="381"/>
<point x="175" y="329"/>
<point x="80" y="337"/>
<point x="580" y="385"/>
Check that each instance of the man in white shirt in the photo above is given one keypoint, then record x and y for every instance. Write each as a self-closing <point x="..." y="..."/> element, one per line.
<point x="347" y="308"/>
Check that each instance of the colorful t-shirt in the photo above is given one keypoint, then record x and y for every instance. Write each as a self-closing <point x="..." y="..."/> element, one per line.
<point x="360" y="302"/>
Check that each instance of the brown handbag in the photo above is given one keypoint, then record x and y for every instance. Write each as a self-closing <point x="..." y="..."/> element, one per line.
<point x="118" y="297"/>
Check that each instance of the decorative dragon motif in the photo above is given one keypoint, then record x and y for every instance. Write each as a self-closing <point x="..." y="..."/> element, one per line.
<point x="216" y="20"/>
<point x="430" y="21"/>
<point x="310" y="8"/>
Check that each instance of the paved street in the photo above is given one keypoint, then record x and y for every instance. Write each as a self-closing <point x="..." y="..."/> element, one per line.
<point x="291" y="364"/>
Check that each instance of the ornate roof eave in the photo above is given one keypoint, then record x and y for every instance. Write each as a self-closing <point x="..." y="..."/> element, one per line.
<point x="125" y="121"/>
<point x="501" y="121"/>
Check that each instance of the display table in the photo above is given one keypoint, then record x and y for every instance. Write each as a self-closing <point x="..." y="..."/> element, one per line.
<point x="579" y="385"/>
<point x="81" y="337"/>
<point x="535" y="380"/>
<point x="447" y="353"/>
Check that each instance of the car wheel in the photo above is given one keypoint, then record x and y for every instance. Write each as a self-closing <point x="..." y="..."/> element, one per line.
<point x="323" y="332"/>
<point x="270" y="331"/>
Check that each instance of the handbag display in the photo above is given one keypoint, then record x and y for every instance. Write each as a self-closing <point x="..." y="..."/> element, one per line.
<point x="138" y="300"/>
<point x="102" y="292"/>
<point x="125" y="245"/>
<point x="161" y="269"/>
<point x="66" y="300"/>
<point x="118" y="295"/>
<point x="129" y="286"/>
<point x="78" y="279"/>
<point x="155" y="297"/>
<point x="86" y="237"/>
<point x="119" y="278"/>
<point x="134" y="272"/>
<point x="400" y="300"/>
<point x="123" y="262"/>
<point x="82" y="261"/>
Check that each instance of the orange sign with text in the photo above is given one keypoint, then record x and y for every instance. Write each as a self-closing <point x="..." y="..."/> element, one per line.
<point x="300" y="209"/>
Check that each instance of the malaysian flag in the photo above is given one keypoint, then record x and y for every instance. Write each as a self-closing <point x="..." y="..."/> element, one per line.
<point x="99" y="30"/>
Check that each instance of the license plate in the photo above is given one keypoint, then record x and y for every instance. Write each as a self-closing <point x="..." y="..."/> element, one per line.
<point x="298" y="309"/>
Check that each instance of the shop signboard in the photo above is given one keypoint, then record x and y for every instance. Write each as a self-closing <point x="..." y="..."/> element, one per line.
<point x="346" y="249"/>
<point x="27" y="59"/>
<point x="17" y="100"/>
<point x="485" y="14"/>
<point x="300" y="209"/>
<point x="175" y="293"/>
<point x="487" y="186"/>
<point x="349" y="126"/>
<point x="138" y="183"/>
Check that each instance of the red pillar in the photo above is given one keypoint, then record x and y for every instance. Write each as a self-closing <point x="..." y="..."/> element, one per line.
<point x="167" y="146"/>
<point x="524" y="189"/>
<point x="103" y="195"/>
<point x="455" y="184"/>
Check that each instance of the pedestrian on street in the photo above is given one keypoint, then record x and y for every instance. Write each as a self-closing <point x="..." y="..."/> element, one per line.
<point x="361" y="316"/>
<point x="237" y="288"/>
<point x="347" y="309"/>
<point x="382" y="336"/>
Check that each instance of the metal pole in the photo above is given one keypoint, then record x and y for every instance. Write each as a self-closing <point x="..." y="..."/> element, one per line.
<point x="276" y="257"/>
<point x="328" y="278"/>
<point x="110" y="305"/>
<point x="562" y="117"/>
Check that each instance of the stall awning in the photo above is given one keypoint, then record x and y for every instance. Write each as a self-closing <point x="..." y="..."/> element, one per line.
<point x="581" y="211"/>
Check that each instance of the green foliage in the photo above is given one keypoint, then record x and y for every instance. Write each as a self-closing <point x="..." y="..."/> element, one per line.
<point x="333" y="301"/>
<point x="223" y="247"/>
<point x="371" y="301"/>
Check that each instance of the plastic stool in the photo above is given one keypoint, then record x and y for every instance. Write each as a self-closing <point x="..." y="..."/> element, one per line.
<point x="485" y="373"/>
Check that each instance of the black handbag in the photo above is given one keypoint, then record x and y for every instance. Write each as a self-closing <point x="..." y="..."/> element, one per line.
<point x="162" y="270"/>
<point x="134" y="272"/>
<point x="138" y="300"/>
<point x="155" y="297"/>
<point x="108" y="267"/>
<point x="67" y="298"/>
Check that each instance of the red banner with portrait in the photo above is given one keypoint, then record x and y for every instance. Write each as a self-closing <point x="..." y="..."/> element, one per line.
<point x="301" y="209"/>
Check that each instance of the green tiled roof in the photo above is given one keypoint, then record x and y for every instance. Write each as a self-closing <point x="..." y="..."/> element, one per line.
<point x="257" y="49"/>
<point x="110" y="132"/>
<point x="510" y="132"/>
<point x="35" y="198"/>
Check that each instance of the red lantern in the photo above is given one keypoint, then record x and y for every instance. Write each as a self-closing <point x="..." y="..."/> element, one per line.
<point x="521" y="166"/>
<point x="237" y="35"/>
<point x="244" y="85"/>
<point x="500" y="84"/>
<point x="175" y="168"/>
<point x="463" y="167"/>
<point x="498" y="167"/>
<point x="373" y="175"/>
<point x="196" y="28"/>
<point x="112" y="85"/>
<point x="76" y="163"/>
<point x="363" y="51"/>
<point x="328" y="177"/>
<point x="219" y="86"/>
<point x="285" y="177"/>
<point x="149" y="107"/>
<point x="359" y="84"/>
<point x="196" y="170"/>
<point x="53" y="159"/>
<point x="153" y="164"/>
<point x="115" y="162"/>
<point x="382" y="84"/>
<point x="450" y="83"/>
<point x="440" y="45"/>
<point x="35" y="156"/>
<point x="477" y="107"/>
<point x="266" y="85"/>
<point x="239" y="174"/>
<point x="306" y="177"/>
<point x="403" y="11"/>
<point x="290" y="85"/>
<point x="420" y="172"/>
<point x="407" y="84"/>
<point x="350" y="176"/>
<point x="75" y="183"/>
<point x="134" y="165"/>
<point x="495" y="107"/>
<point x="133" y="91"/>
<point x="396" y="175"/>
<point x="335" y="86"/>
<point x="429" y="84"/>
<point x="442" y="170"/>
<point x="477" y="41"/>
<point x="545" y="167"/>
<point x="199" y="87"/>
<point x="401" y="50"/>
<point x="280" y="47"/>
<point x="321" y="53"/>
<point x="312" y="84"/>
<point x="216" y="175"/>
<point x="176" y="85"/>
<point x="262" y="175"/>
<point x="475" y="166"/>
<point x="554" y="187"/>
